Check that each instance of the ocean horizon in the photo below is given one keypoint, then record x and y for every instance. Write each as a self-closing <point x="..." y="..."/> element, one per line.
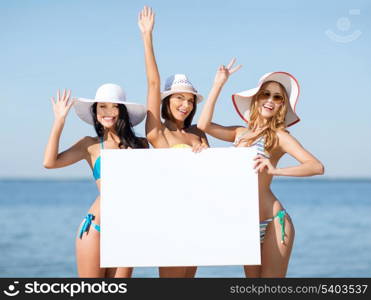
<point x="40" y="217"/>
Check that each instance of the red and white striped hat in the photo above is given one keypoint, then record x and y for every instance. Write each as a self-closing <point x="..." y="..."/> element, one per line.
<point x="242" y="100"/>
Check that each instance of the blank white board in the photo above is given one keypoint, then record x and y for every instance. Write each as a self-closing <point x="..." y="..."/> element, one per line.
<point x="173" y="207"/>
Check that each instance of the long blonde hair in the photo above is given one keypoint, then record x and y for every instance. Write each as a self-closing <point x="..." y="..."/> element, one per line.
<point x="273" y="124"/>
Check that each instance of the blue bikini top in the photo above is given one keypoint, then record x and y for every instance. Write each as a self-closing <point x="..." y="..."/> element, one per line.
<point x="96" y="168"/>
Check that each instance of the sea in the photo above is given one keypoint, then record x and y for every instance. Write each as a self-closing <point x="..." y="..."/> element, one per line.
<point x="332" y="218"/>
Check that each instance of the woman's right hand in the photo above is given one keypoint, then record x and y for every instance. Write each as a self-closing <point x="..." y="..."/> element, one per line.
<point x="224" y="72"/>
<point x="62" y="105"/>
<point x="146" y="20"/>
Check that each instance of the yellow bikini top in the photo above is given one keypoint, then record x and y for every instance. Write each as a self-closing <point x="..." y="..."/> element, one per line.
<point x="180" y="146"/>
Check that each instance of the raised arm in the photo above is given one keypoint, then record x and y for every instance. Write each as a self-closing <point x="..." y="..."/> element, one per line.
<point x="309" y="165"/>
<point x="53" y="159"/>
<point x="204" y="123"/>
<point x="146" y="20"/>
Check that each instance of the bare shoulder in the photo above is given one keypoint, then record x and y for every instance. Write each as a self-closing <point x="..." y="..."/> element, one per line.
<point x="240" y="130"/>
<point x="157" y="135"/>
<point x="282" y="133"/>
<point x="286" y="140"/>
<point x="193" y="129"/>
<point x="89" y="143"/>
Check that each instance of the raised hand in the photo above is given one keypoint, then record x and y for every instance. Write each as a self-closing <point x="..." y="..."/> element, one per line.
<point x="62" y="105"/>
<point x="224" y="72"/>
<point x="146" y="20"/>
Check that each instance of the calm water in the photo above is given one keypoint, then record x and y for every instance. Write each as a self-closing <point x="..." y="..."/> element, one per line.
<point x="332" y="219"/>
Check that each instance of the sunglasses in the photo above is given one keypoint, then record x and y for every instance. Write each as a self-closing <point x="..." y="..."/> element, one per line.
<point x="277" y="99"/>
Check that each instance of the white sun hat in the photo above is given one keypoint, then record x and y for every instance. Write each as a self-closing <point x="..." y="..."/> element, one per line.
<point x="112" y="93"/>
<point x="179" y="83"/>
<point x="242" y="100"/>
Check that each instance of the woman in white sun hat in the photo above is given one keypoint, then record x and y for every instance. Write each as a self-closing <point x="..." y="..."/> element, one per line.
<point x="112" y="117"/>
<point x="177" y="106"/>
<point x="268" y="110"/>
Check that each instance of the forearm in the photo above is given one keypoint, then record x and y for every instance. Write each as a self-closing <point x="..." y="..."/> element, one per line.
<point x="51" y="151"/>
<point x="153" y="76"/>
<point x="309" y="168"/>
<point x="208" y="111"/>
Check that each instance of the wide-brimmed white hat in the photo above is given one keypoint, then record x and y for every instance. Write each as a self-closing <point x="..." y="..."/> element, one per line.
<point x="112" y="93"/>
<point x="179" y="83"/>
<point x="242" y="100"/>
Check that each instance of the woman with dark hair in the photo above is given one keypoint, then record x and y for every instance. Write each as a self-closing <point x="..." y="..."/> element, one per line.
<point x="179" y="102"/>
<point x="268" y="110"/>
<point x="112" y="118"/>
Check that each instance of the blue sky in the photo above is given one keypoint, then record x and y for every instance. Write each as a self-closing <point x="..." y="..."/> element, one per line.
<point x="46" y="45"/>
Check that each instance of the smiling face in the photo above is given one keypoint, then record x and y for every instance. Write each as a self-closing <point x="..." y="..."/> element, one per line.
<point x="181" y="105"/>
<point x="107" y="114"/>
<point x="270" y="99"/>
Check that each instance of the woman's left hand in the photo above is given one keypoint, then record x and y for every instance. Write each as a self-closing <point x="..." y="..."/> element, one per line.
<point x="262" y="163"/>
<point x="199" y="147"/>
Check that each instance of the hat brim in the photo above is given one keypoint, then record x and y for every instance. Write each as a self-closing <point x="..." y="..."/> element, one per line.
<point x="164" y="94"/>
<point x="242" y="100"/>
<point x="137" y="112"/>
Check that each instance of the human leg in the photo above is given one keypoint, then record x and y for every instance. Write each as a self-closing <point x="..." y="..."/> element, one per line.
<point x="277" y="246"/>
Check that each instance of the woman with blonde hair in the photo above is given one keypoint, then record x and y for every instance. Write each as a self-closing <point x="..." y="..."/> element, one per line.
<point x="177" y="106"/>
<point x="268" y="110"/>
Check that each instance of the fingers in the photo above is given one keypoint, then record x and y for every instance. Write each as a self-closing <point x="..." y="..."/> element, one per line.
<point x="146" y="19"/>
<point x="64" y="98"/>
<point x="68" y="100"/>
<point x="198" y="148"/>
<point x="235" y="69"/>
<point x="202" y="147"/>
<point x="71" y="103"/>
<point x="260" y="164"/>
<point x="256" y="164"/>
<point x="231" y="63"/>
<point x="222" y="68"/>
<point x="261" y="168"/>
<point x="142" y="14"/>
<point x="147" y="12"/>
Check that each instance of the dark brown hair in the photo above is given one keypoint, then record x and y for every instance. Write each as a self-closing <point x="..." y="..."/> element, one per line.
<point x="124" y="128"/>
<point x="166" y="113"/>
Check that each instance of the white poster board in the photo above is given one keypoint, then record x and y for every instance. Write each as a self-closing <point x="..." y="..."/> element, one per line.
<point x="173" y="207"/>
